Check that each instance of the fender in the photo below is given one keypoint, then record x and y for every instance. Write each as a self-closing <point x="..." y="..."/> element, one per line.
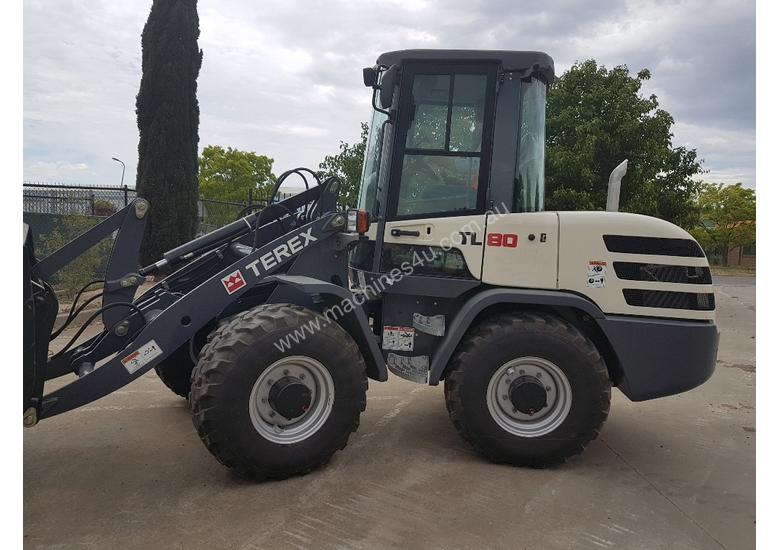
<point x="477" y="303"/>
<point x="354" y="322"/>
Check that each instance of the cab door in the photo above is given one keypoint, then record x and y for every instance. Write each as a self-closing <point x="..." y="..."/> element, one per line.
<point x="440" y="169"/>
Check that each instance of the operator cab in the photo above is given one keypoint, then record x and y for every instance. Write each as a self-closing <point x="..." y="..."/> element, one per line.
<point x="454" y="134"/>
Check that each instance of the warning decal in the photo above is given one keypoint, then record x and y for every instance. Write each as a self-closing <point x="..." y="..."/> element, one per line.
<point x="141" y="356"/>
<point x="398" y="338"/>
<point x="597" y="271"/>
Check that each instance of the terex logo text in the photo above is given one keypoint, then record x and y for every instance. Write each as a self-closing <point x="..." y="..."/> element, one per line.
<point x="273" y="258"/>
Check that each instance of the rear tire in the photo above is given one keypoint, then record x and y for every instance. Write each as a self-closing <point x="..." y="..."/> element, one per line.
<point x="241" y="367"/>
<point x="176" y="371"/>
<point x="527" y="389"/>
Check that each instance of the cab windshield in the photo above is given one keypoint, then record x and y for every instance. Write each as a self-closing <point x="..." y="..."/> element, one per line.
<point x="372" y="164"/>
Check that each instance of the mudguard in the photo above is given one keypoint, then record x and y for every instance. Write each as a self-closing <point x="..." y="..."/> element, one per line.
<point x="479" y="302"/>
<point x="351" y="317"/>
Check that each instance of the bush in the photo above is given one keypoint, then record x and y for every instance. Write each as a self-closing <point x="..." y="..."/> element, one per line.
<point x="89" y="266"/>
<point x="103" y="208"/>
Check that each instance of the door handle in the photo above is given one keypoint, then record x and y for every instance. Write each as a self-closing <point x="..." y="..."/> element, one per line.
<point x="404" y="233"/>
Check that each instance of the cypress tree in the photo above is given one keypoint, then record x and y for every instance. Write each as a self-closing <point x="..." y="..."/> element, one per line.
<point x="168" y="114"/>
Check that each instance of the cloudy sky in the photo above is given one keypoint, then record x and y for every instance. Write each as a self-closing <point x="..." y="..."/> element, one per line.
<point x="284" y="78"/>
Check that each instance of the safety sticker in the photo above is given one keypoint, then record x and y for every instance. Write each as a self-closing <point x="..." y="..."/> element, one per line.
<point x="233" y="282"/>
<point x="398" y="338"/>
<point x="433" y="325"/>
<point x="597" y="272"/>
<point x="141" y="356"/>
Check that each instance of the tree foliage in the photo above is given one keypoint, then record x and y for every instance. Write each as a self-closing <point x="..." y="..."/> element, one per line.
<point x="595" y="119"/>
<point x="168" y="115"/>
<point x="348" y="165"/>
<point x="234" y="175"/>
<point x="728" y="218"/>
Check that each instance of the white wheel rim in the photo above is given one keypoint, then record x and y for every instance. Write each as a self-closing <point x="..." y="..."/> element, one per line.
<point x="273" y="426"/>
<point x="541" y="422"/>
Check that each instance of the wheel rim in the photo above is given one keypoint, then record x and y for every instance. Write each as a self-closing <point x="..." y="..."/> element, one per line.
<point x="312" y="378"/>
<point x="529" y="396"/>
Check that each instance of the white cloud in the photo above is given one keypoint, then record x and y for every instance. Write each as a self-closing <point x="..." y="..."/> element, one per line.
<point x="284" y="79"/>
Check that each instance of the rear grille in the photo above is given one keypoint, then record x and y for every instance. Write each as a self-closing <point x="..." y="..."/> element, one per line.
<point x="662" y="273"/>
<point x="657" y="246"/>
<point x="670" y="300"/>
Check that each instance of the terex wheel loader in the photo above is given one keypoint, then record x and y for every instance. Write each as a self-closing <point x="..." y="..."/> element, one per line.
<point x="449" y="271"/>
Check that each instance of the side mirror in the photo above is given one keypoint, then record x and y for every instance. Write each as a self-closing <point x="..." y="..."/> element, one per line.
<point x="389" y="78"/>
<point x="369" y="77"/>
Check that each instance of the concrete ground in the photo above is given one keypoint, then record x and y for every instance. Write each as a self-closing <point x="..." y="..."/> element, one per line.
<point x="128" y="471"/>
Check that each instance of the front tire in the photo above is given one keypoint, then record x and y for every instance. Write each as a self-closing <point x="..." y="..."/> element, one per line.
<point x="272" y="414"/>
<point x="176" y="371"/>
<point x="527" y="389"/>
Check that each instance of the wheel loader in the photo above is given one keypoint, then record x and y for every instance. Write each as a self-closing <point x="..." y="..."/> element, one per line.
<point x="448" y="271"/>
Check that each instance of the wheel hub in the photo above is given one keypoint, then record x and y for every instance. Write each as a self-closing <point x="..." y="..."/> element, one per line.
<point x="528" y="395"/>
<point x="289" y="397"/>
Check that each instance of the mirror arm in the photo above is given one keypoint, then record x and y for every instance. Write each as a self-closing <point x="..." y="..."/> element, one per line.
<point x="374" y="105"/>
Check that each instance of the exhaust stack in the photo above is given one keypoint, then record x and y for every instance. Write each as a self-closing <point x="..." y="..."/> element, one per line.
<point x="613" y="187"/>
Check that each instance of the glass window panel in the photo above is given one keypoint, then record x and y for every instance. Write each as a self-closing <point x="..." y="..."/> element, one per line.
<point x="431" y="184"/>
<point x="529" y="193"/>
<point x="468" y="109"/>
<point x="372" y="164"/>
<point x="430" y="94"/>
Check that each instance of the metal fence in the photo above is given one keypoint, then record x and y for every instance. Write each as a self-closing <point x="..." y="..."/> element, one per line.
<point x="66" y="200"/>
<point x="57" y="213"/>
<point x="56" y="199"/>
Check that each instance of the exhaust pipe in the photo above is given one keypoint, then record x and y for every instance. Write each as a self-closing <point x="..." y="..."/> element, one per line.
<point x="613" y="187"/>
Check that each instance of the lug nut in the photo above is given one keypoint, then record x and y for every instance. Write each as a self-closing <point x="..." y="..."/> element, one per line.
<point x="302" y="376"/>
<point x="286" y="372"/>
<point x="538" y="374"/>
<point x="548" y="388"/>
<point x="270" y="382"/>
<point x="504" y="397"/>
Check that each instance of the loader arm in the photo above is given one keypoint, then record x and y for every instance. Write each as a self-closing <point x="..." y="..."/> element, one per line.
<point x="208" y="276"/>
<point x="172" y="321"/>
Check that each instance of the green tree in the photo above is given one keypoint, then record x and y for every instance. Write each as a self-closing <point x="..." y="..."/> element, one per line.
<point x="348" y="165"/>
<point x="728" y="218"/>
<point x="232" y="175"/>
<point x="598" y="117"/>
<point x="168" y="115"/>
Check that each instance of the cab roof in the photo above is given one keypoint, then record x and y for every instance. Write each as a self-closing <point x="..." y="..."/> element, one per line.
<point x="510" y="61"/>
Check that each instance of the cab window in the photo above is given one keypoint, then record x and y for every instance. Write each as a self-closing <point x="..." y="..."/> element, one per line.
<point x="440" y="169"/>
